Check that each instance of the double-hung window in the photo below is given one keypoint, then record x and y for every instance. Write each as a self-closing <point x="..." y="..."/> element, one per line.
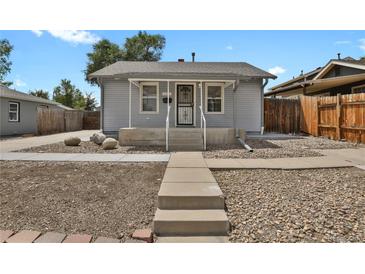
<point x="149" y="97"/>
<point x="14" y="112"/>
<point x="214" y="98"/>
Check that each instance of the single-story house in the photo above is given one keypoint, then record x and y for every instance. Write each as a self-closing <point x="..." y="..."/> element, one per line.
<point x="183" y="105"/>
<point x="338" y="76"/>
<point x="19" y="111"/>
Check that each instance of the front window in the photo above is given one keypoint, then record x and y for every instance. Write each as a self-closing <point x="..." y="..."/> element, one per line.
<point x="13" y="112"/>
<point x="149" y="98"/>
<point x="214" y="98"/>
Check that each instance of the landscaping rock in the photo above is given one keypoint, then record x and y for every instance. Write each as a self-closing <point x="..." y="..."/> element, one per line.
<point x="109" y="143"/>
<point x="72" y="141"/>
<point x="98" y="138"/>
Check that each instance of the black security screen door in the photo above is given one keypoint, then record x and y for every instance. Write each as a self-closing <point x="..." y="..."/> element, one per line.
<point x="185" y="104"/>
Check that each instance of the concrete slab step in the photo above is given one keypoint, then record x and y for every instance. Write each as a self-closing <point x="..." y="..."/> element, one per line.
<point x="186" y="147"/>
<point x="196" y="239"/>
<point x="190" y="196"/>
<point x="191" y="223"/>
<point x="190" y="140"/>
<point x="188" y="175"/>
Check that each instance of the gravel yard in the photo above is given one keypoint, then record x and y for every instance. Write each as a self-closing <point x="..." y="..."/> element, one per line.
<point x="316" y="205"/>
<point x="90" y="147"/>
<point x="103" y="199"/>
<point x="298" y="147"/>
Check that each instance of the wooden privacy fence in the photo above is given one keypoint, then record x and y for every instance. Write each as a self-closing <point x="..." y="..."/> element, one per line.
<point x="50" y="120"/>
<point x="282" y="115"/>
<point x="91" y="120"/>
<point x="340" y="117"/>
<point x="336" y="117"/>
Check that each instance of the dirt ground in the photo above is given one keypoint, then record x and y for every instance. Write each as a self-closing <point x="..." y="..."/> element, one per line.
<point x="271" y="148"/>
<point x="103" y="199"/>
<point x="90" y="147"/>
<point x="314" y="205"/>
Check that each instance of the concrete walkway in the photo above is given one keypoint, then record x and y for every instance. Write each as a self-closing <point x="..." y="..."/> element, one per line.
<point x="17" y="143"/>
<point x="190" y="203"/>
<point x="83" y="157"/>
<point x="279" y="163"/>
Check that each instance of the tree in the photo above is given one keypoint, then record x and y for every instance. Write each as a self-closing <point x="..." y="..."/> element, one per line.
<point x="68" y="95"/>
<point x="90" y="102"/>
<point x="5" y="63"/>
<point x="141" y="47"/>
<point x="104" y="54"/>
<point x="144" y="47"/>
<point x="40" y="93"/>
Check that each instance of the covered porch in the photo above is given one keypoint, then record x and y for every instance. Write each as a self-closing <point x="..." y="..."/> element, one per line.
<point x="179" y="111"/>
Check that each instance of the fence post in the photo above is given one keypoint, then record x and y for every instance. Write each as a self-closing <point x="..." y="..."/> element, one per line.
<point x="338" y="120"/>
<point x="318" y="115"/>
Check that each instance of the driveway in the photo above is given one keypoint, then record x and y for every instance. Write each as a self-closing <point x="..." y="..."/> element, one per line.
<point x="21" y="143"/>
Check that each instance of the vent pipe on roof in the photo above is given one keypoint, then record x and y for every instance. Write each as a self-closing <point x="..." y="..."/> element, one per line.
<point x="339" y="56"/>
<point x="193" y="57"/>
<point x="181" y="60"/>
<point x="301" y="72"/>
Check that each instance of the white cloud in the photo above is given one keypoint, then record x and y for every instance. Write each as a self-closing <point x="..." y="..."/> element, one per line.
<point x="362" y="44"/>
<point x="229" y="48"/>
<point x="342" y="42"/>
<point x="19" y="83"/>
<point x="277" y="70"/>
<point x="37" y="32"/>
<point x="75" y="36"/>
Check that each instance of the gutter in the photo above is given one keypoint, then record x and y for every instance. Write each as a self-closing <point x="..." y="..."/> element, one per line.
<point x="262" y="104"/>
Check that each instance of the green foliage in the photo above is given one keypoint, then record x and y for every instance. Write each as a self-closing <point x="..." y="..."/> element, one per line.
<point x="144" y="47"/>
<point x="5" y="63"/>
<point x="90" y="102"/>
<point x="104" y="53"/>
<point x="141" y="47"/>
<point x="40" y="93"/>
<point x="68" y="95"/>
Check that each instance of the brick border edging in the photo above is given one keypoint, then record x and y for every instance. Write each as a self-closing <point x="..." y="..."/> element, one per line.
<point x="31" y="236"/>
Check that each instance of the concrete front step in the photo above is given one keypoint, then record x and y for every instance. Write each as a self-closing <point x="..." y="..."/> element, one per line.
<point x="185" y="132"/>
<point x="196" y="239"/>
<point x="190" y="196"/>
<point x="188" y="175"/>
<point x="191" y="223"/>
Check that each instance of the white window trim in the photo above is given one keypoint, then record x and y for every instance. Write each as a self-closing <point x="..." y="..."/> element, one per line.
<point x="206" y="97"/>
<point x="157" y="97"/>
<point x="17" y="111"/>
<point x="360" y="86"/>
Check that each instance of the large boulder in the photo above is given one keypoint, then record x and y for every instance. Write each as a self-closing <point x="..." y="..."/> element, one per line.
<point x="109" y="143"/>
<point x="98" y="138"/>
<point x="72" y="141"/>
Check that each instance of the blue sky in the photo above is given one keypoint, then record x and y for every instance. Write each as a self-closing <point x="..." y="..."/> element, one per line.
<point x="42" y="58"/>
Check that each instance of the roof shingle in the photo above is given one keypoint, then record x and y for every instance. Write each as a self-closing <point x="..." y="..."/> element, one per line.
<point x="219" y="68"/>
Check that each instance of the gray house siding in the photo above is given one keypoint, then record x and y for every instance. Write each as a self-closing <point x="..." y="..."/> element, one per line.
<point x="116" y="106"/>
<point x="27" y="114"/>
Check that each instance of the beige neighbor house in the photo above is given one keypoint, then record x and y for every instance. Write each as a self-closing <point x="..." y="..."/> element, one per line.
<point x="338" y="76"/>
<point x="181" y="105"/>
<point x="19" y="111"/>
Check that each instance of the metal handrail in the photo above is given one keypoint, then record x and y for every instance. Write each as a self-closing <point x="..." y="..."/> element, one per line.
<point x="167" y="127"/>
<point x="202" y="118"/>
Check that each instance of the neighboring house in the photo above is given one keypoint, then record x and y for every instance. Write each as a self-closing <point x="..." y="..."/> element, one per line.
<point x="19" y="111"/>
<point x="338" y="76"/>
<point x="136" y="95"/>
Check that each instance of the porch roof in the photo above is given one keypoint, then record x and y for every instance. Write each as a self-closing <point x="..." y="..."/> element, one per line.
<point x="128" y="68"/>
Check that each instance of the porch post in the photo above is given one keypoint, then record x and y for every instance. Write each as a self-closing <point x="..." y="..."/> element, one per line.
<point x="130" y="105"/>
<point x="201" y="103"/>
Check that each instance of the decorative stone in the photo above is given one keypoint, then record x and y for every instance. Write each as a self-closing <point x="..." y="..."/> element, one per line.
<point x="143" y="234"/>
<point x="72" y="141"/>
<point x="98" y="138"/>
<point x="109" y="143"/>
